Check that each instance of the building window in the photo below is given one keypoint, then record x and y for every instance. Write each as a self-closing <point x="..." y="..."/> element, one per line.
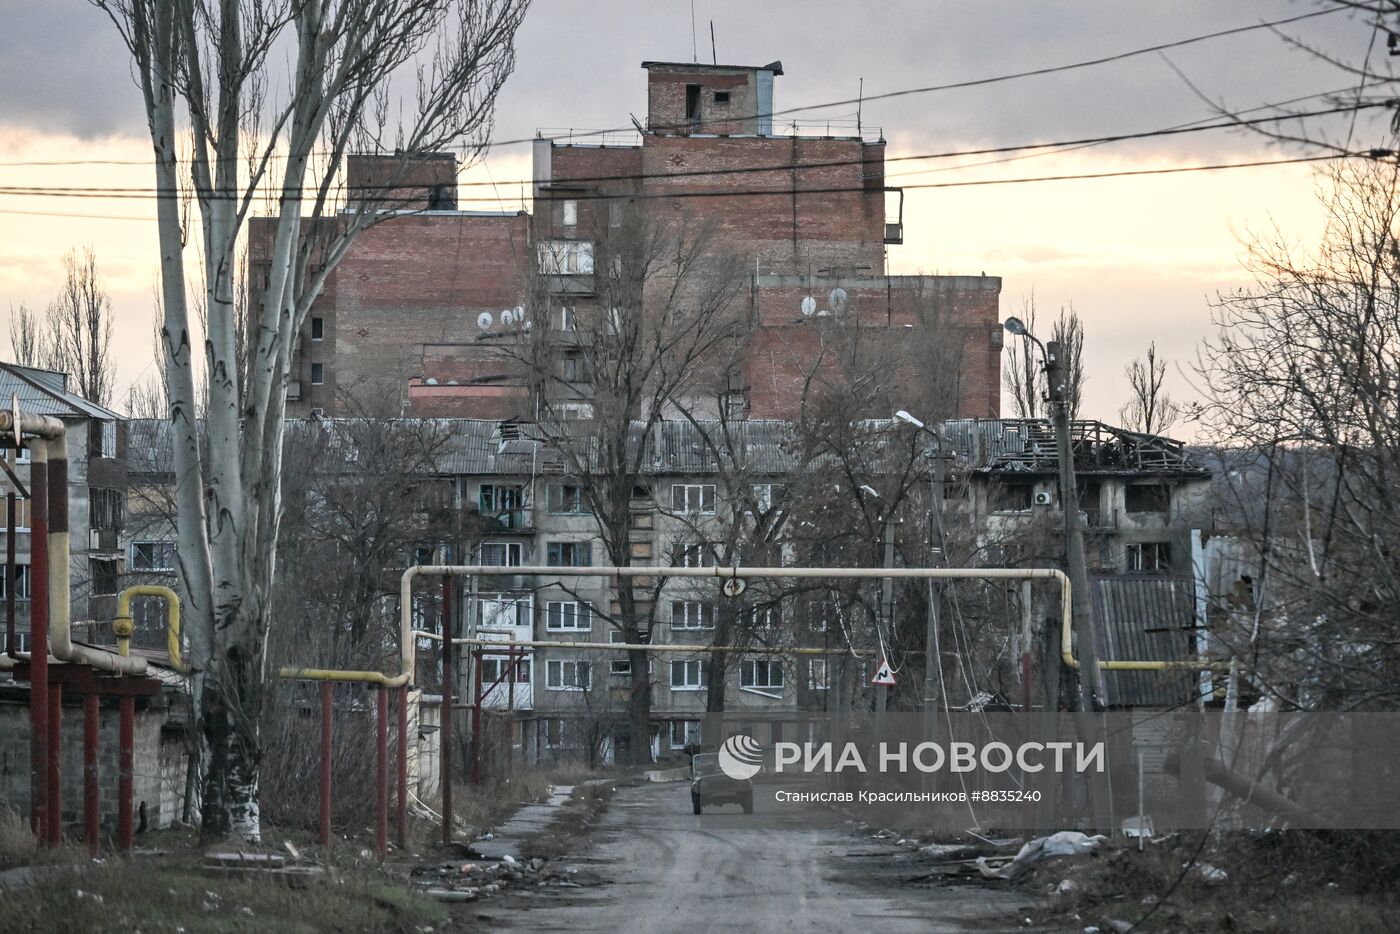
<point x="318" y="328"/>
<point x="1148" y="557"/>
<point x="503" y="610"/>
<point x="17" y="457"/>
<point x="106" y="576"/>
<point x="493" y="671"/>
<point x="153" y="556"/>
<point x="568" y="616"/>
<point x="687" y="675"/>
<point x="692" y="614"/>
<point x="565" y="498"/>
<point x="695" y="555"/>
<point x="568" y="319"/>
<point x="761" y="674"/>
<point x="615" y="213"/>
<point x="766" y="494"/>
<point x="21" y="582"/>
<point x="107" y="446"/>
<point x="1146" y="497"/>
<point x="570" y="213"/>
<point x="318" y="374"/>
<point x="765" y="617"/>
<point x="571" y="368"/>
<point x="685" y="733"/>
<point x="569" y="554"/>
<point x="566" y="257"/>
<point x="504" y="503"/>
<point x="501" y="554"/>
<point x="21" y="515"/>
<point x="692" y="101"/>
<point x="105" y="509"/>
<point x="693" y="499"/>
<point x="1011" y="497"/>
<point x="567" y="674"/>
<point x="817" y="676"/>
<point x="721" y="97"/>
<point x="619" y="666"/>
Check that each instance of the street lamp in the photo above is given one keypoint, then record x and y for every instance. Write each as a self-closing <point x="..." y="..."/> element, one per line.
<point x="1057" y="390"/>
<point x="1082" y="614"/>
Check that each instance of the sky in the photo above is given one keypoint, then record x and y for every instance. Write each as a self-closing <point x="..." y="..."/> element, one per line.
<point x="1139" y="258"/>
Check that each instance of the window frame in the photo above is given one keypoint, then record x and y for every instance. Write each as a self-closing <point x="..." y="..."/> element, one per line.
<point x="165" y="546"/>
<point x="699" y="610"/>
<point x="318" y="374"/>
<point x="701" y="678"/>
<point x="690" y="730"/>
<point x="318" y="328"/>
<point x="581" y="611"/>
<point x="556" y="499"/>
<point x="516" y="547"/>
<point x="554" y="554"/>
<point x="681" y="499"/>
<point x="559" y="665"/>
<point x="749" y="670"/>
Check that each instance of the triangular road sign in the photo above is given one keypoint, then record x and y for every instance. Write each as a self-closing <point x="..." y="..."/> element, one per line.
<point x="883" y="674"/>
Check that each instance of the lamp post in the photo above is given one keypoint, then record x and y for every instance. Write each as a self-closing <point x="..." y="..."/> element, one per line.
<point x="1082" y="616"/>
<point x="1083" y="620"/>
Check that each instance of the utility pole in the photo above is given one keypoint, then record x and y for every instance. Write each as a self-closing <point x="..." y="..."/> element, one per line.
<point x="1083" y="617"/>
<point x="882" y="693"/>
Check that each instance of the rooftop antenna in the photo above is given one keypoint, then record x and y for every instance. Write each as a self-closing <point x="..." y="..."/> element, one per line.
<point x="714" y="56"/>
<point x="694" y="55"/>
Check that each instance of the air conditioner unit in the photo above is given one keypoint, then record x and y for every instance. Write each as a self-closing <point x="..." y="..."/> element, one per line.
<point x="1043" y="499"/>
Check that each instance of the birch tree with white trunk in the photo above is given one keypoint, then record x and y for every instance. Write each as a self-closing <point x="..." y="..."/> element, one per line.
<point x="251" y="102"/>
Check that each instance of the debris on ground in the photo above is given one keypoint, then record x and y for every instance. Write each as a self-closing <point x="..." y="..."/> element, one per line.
<point x="1064" y="843"/>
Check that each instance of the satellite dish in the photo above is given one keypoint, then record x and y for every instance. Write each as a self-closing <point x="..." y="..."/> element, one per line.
<point x="483" y="320"/>
<point x="809" y="305"/>
<point x="527" y="327"/>
<point x="839" y="300"/>
<point x="519" y="312"/>
<point x="507" y="316"/>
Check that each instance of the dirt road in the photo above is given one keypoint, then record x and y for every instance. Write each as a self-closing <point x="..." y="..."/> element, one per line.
<point x="786" y="868"/>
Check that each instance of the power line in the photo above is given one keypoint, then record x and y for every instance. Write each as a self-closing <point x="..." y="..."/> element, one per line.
<point x="905" y="92"/>
<point x="790" y="191"/>
<point x="128" y="192"/>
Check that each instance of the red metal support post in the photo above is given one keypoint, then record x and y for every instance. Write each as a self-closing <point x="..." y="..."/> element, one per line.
<point x="39" y="645"/>
<point x="445" y="716"/>
<point x="55" y="772"/>
<point x="327" y="709"/>
<point x="401" y="817"/>
<point x="381" y="822"/>
<point x="92" y="801"/>
<point x="126" y="740"/>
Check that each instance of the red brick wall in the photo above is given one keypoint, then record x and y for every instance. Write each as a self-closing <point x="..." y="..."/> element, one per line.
<point x="666" y="96"/>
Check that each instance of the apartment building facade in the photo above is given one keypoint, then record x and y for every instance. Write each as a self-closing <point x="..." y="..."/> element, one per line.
<point x="97" y="487"/>
<point x="428" y="306"/>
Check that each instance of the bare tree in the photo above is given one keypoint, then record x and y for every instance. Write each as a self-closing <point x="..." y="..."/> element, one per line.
<point x="1149" y="409"/>
<point x="78" y="340"/>
<point x="24" y="335"/>
<point x="1069" y="333"/>
<point x="1023" y="376"/>
<point x="269" y="95"/>
<point x="1303" y="378"/>
<point x="607" y="371"/>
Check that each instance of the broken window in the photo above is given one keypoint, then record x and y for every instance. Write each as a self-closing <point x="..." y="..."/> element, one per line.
<point x="153" y="556"/>
<point x="105" y="576"/>
<point x="569" y="554"/>
<point x="570" y="213"/>
<point x="21" y="582"/>
<point x="565" y="498"/>
<point x="684" y="733"/>
<point x="1147" y="497"/>
<point x="692" y="102"/>
<point x="1148" y="557"/>
<point x="817" y="676"/>
<point x="618" y="666"/>
<point x="493" y="671"/>
<point x="721" y="97"/>
<point x="695" y="555"/>
<point x="106" y="508"/>
<point x="1011" y="496"/>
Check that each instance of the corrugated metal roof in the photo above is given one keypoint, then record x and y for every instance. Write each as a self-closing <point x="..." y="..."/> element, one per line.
<point x="44" y="392"/>
<point x="1145" y="618"/>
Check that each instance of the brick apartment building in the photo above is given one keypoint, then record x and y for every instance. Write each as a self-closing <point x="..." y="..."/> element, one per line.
<point x="421" y="306"/>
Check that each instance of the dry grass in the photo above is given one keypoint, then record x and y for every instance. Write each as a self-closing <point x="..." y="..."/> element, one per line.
<point x="169" y="896"/>
<point x="17" y="846"/>
<point x="484" y="807"/>
<point x="1294" y="881"/>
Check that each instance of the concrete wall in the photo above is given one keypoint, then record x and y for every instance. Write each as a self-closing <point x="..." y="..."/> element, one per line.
<point x="158" y="758"/>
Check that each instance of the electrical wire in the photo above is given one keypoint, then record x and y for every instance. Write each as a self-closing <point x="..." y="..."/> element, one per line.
<point x="863" y="99"/>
